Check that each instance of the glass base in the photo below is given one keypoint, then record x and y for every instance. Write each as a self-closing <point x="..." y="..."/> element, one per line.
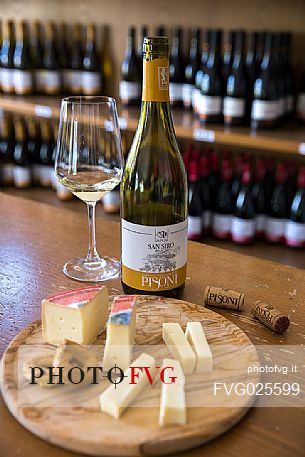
<point x="101" y="270"/>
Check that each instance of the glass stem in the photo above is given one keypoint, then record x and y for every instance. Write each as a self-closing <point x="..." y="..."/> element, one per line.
<point x="92" y="255"/>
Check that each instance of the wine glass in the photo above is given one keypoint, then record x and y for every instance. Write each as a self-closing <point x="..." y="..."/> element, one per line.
<point x="89" y="162"/>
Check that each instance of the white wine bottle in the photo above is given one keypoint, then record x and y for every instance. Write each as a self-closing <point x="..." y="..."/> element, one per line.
<point x="154" y="189"/>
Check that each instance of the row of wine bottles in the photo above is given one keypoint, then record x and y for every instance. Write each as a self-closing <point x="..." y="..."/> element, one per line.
<point x="250" y="201"/>
<point x="49" y="60"/>
<point x="224" y="83"/>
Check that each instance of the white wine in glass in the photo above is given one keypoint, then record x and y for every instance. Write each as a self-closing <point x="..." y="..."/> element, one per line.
<point x="89" y="162"/>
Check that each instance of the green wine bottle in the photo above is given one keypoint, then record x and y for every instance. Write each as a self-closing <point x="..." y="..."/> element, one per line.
<point x="154" y="189"/>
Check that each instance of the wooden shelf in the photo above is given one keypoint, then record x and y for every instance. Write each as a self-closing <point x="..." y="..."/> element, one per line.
<point x="288" y="139"/>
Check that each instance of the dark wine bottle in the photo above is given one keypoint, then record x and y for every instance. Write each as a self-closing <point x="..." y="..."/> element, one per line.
<point x="63" y="51"/>
<point x="176" y="70"/>
<point x="251" y="72"/>
<point x="191" y="68"/>
<point x="278" y="211"/>
<point x="228" y="55"/>
<point x="195" y="203"/>
<point x="210" y="106"/>
<point x="46" y="154"/>
<point x="222" y="219"/>
<point x="236" y="91"/>
<point x="92" y="78"/>
<point x="36" y="51"/>
<point x="49" y="78"/>
<point x="301" y="100"/>
<point x="280" y="78"/>
<point x="7" y="57"/>
<point x="260" y="51"/>
<point x="22" y="168"/>
<point x="33" y="144"/>
<point x="214" y="178"/>
<point x="23" y="69"/>
<point x="130" y="85"/>
<point x="196" y="96"/>
<point x="205" y="193"/>
<point x="74" y="83"/>
<point x="288" y="72"/>
<point x="6" y="150"/>
<point x="295" y="227"/>
<point x="259" y="199"/>
<point x="243" y="222"/>
<point x="161" y="30"/>
<point x="237" y="177"/>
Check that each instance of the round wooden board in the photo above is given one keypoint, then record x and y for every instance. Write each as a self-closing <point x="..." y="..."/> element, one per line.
<point x="137" y="432"/>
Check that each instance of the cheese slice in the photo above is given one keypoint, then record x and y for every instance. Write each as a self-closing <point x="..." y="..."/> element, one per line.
<point x="116" y="398"/>
<point x="120" y="332"/>
<point x="78" y="315"/>
<point x="172" y="402"/>
<point x="179" y="346"/>
<point x="197" y="339"/>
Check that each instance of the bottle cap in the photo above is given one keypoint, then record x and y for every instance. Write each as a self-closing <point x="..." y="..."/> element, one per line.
<point x="301" y="178"/>
<point x="193" y="171"/>
<point x="260" y="170"/>
<point x="157" y="44"/>
<point x="281" y="174"/>
<point x="226" y="172"/>
<point x="246" y="174"/>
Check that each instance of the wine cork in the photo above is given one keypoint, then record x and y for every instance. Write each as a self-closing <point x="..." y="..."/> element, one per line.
<point x="224" y="298"/>
<point x="270" y="316"/>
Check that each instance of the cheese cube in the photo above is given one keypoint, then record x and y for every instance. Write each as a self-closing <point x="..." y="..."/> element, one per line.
<point x="196" y="337"/>
<point x="172" y="402"/>
<point x="179" y="346"/>
<point x="78" y="315"/>
<point x="120" y="332"/>
<point x="116" y="398"/>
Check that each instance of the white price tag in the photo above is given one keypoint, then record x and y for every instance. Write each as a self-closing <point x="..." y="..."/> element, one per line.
<point x="204" y="135"/>
<point x="43" y="111"/>
<point x="302" y="148"/>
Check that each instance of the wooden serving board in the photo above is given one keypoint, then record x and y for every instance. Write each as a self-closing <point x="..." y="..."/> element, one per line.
<point x="86" y="429"/>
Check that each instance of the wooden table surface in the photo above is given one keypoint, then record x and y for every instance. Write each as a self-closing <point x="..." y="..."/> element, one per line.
<point x="36" y="240"/>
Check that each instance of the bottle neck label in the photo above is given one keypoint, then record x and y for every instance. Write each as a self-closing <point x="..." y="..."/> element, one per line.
<point x="155" y="80"/>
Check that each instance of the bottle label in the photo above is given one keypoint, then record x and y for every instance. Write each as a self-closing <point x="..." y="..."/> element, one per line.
<point x="72" y="80"/>
<point x="209" y="104"/>
<point x="22" y="176"/>
<point x="260" y="224"/>
<point x="23" y="82"/>
<point x="295" y="234"/>
<point x="264" y="110"/>
<point x="301" y="106"/>
<point x="176" y="92"/>
<point x="275" y="229"/>
<point x="233" y="107"/>
<point x="243" y="230"/>
<point x="222" y="225"/>
<point x="129" y="91"/>
<point x="206" y="219"/>
<point x="187" y="94"/>
<point x="91" y="82"/>
<point x="48" y="81"/>
<point x="194" y="227"/>
<point x="154" y="257"/>
<point x="111" y="200"/>
<point x="7" y="174"/>
<point x="195" y="97"/>
<point x="7" y="83"/>
<point x="155" y="80"/>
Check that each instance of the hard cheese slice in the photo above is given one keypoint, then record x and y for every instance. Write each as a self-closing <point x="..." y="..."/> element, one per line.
<point x="78" y="315"/>
<point x="116" y="398"/>
<point x="172" y="403"/>
<point x="120" y="332"/>
<point x="197" y="339"/>
<point x="179" y="346"/>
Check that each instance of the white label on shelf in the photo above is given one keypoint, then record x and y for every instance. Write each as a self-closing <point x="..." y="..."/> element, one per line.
<point x="275" y="229"/>
<point x="233" y="107"/>
<point x="7" y="82"/>
<point x="91" y="82"/>
<point x="260" y="223"/>
<point x="264" y="110"/>
<point x="22" y="176"/>
<point x="43" y="111"/>
<point x="289" y="103"/>
<point x="7" y="173"/>
<point x="48" y="81"/>
<point x="209" y="104"/>
<point x="195" y="99"/>
<point x="112" y="199"/>
<point x="187" y="93"/>
<point x="295" y="233"/>
<point x="175" y="92"/>
<point x="23" y="81"/>
<point x="73" y="81"/>
<point x="222" y="224"/>
<point x="243" y="229"/>
<point x="204" y="135"/>
<point x="129" y="91"/>
<point x="301" y="106"/>
<point x="194" y="226"/>
<point x="206" y="219"/>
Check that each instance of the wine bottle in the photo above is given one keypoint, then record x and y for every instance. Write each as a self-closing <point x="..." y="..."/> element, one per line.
<point x="130" y="85"/>
<point x="6" y="150"/>
<point x="92" y="78"/>
<point x="33" y="144"/>
<point x="214" y="178"/>
<point x="260" y="51"/>
<point x="196" y="95"/>
<point x="205" y="195"/>
<point x="222" y="219"/>
<point x="295" y="227"/>
<point x="237" y="177"/>
<point x="210" y="106"/>
<point x="46" y="154"/>
<point x="49" y="79"/>
<point x="243" y="222"/>
<point x="228" y="56"/>
<point x="66" y="54"/>
<point x="251" y="72"/>
<point x="22" y="168"/>
<point x="22" y="74"/>
<point x="176" y="70"/>
<point x="191" y="68"/>
<point x="234" y="103"/>
<point x="288" y="72"/>
<point x="74" y="75"/>
<point x="195" y="203"/>
<point x="278" y="212"/>
<point x="300" y="109"/>
<point x="266" y="97"/>
<point x="280" y="78"/>
<point x="154" y="189"/>
<point x="7" y="58"/>
<point x="36" y="52"/>
<point x="259" y="199"/>
<point x="160" y="30"/>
